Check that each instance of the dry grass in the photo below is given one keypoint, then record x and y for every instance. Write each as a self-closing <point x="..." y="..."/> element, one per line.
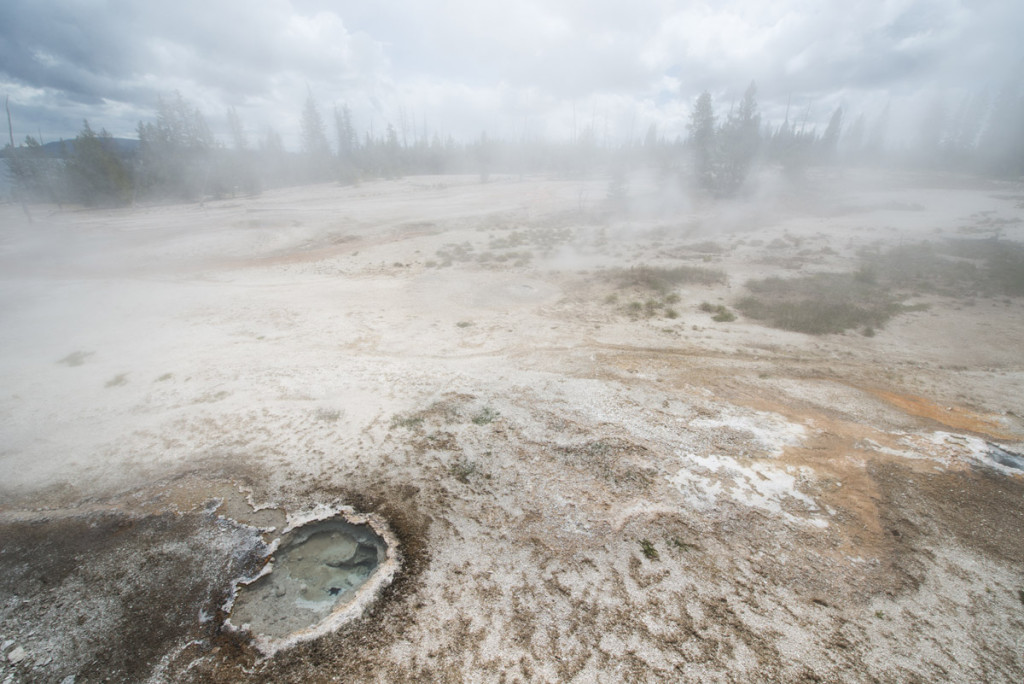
<point x="663" y="280"/>
<point x="955" y="268"/>
<point x="834" y="302"/>
<point x="819" y="304"/>
<point x="656" y="285"/>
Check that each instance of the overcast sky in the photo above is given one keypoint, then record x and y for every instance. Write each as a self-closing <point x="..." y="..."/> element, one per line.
<point x="507" y="67"/>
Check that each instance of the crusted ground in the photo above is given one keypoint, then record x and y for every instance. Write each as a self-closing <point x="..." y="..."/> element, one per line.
<point x="592" y="478"/>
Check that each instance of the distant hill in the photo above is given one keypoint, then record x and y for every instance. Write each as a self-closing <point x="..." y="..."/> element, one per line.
<point x="125" y="147"/>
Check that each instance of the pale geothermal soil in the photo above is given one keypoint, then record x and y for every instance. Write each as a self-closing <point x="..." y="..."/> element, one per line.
<point x="579" y="494"/>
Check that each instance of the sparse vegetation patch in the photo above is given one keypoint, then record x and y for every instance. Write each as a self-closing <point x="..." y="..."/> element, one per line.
<point x="328" y="415"/>
<point x="408" y="422"/>
<point x="647" y="547"/>
<point x="819" y="304"/>
<point x="833" y="302"/>
<point x="462" y="469"/>
<point x="612" y="460"/>
<point x="721" y="313"/>
<point x="118" y="380"/>
<point x="655" y="286"/>
<point x="455" y="253"/>
<point x="663" y="280"/>
<point x="485" y="416"/>
<point x="681" y="545"/>
<point x="955" y="268"/>
<point x="707" y="247"/>
<point x="75" y="358"/>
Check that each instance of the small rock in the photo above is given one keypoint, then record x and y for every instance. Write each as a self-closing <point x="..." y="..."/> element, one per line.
<point x="17" y="655"/>
<point x="70" y="679"/>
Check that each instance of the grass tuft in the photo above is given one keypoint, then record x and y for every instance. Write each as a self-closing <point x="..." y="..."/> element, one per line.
<point x="683" y="546"/>
<point x="117" y="380"/>
<point x="721" y="314"/>
<point x="75" y="358"/>
<point x="486" y="415"/>
<point x="462" y="469"/>
<point x="407" y="422"/>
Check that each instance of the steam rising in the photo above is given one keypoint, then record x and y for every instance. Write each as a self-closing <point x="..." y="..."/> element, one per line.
<point x="520" y="71"/>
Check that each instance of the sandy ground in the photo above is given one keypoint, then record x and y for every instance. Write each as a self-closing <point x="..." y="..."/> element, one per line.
<point x="580" y="495"/>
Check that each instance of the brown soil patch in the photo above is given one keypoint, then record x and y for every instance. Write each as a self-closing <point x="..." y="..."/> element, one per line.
<point x="954" y="417"/>
<point x="84" y="586"/>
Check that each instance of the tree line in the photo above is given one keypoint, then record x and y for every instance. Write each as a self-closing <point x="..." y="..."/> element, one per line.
<point x="176" y="157"/>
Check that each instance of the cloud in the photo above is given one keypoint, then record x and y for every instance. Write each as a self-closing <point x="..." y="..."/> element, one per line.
<point x="218" y="53"/>
<point x="475" y="65"/>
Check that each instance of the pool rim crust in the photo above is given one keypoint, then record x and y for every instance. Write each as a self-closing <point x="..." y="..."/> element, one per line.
<point x="346" y="612"/>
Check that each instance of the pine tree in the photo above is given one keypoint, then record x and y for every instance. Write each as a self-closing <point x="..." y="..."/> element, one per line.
<point x="391" y="154"/>
<point x="484" y="157"/>
<point x="702" y="140"/>
<point x="347" y="141"/>
<point x="97" y="174"/>
<point x="875" y="144"/>
<point x="33" y="174"/>
<point x="237" y="132"/>
<point x="240" y="168"/>
<point x="1001" y="144"/>
<point x="830" y="141"/>
<point x="176" y="152"/>
<point x="930" y="133"/>
<point x="275" y="159"/>
<point x="853" y="141"/>
<point x="738" y="144"/>
<point x="315" y="148"/>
